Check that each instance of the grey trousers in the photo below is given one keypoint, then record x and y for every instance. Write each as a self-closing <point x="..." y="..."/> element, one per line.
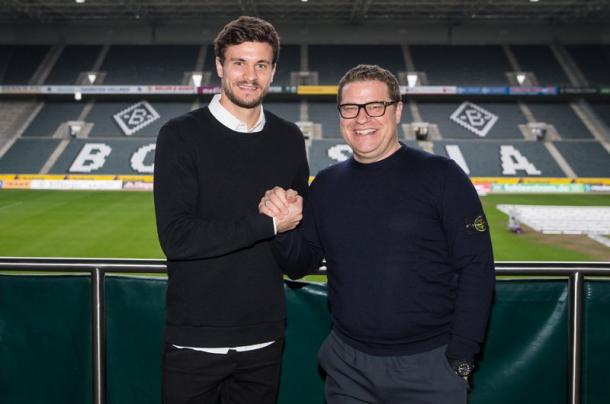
<point x="355" y="377"/>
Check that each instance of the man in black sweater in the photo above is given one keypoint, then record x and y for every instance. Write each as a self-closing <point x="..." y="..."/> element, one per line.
<point x="408" y="252"/>
<point x="225" y="299"/>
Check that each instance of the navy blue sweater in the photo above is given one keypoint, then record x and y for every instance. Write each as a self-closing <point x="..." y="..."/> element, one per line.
<point x="409" y="257"/>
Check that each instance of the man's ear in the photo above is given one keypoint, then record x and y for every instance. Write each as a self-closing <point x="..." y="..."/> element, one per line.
<point x="218" y="67"/>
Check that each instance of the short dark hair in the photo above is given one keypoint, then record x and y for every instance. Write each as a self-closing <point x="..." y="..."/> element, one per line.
<point x="370" y="72"/>
<point x="246" y="29"/>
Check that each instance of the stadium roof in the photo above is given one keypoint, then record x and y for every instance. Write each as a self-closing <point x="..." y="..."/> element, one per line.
<point x="299" y="11"/>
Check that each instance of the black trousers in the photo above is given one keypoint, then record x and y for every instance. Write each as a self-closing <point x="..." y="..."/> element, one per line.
<point x="250" y="377"/>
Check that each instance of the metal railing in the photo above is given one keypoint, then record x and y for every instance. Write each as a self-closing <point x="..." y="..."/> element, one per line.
<point x="574" y="272"/>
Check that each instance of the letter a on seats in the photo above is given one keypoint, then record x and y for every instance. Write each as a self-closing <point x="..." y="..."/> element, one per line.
<point x="513" y="160"/>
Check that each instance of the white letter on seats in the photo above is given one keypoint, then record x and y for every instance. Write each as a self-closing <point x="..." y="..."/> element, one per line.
<point x="91" y="158"/>
<point x="339" y="152"/>
<point x="137" y="159"/>
<point x="513" y="160"/>
<point x="455" y="154"/>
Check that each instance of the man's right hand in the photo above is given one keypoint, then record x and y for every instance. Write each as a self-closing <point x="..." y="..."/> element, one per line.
<point x="286" y="206"/>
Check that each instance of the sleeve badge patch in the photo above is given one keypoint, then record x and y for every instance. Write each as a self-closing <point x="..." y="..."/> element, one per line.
<point x="479" y="224"/>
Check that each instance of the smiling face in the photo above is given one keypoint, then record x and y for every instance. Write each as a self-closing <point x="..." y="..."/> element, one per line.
<point x="371" y="139"/>
<point x="245" y="75"/>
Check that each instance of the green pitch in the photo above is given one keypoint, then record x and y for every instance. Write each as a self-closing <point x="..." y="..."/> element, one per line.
<point x="122" y="225"/>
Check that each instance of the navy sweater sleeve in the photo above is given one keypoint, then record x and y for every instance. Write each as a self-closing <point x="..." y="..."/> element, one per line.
<point x="299" y="252"/>
<point x="471" y="255"/>
<point x="182" y="233"/>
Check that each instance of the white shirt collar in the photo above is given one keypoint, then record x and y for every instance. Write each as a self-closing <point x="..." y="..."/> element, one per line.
<point x="230" y="121"/>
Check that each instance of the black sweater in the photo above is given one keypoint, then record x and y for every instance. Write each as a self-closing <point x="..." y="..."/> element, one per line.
<point x="410" y="267"/>
<point x="225" y="287"/>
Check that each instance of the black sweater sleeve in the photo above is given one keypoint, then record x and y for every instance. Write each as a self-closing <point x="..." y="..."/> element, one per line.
<point x="182" y="234"/>
<point x="471" y="255"/>
<point x="299" y="252"/>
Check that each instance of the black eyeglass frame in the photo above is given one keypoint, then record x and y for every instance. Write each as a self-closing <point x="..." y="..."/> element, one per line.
<point x="385" y="104"/>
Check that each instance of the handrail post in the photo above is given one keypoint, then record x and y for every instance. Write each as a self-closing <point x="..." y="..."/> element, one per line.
<point x="575" y="336"/>
<point x="99" y="332"/>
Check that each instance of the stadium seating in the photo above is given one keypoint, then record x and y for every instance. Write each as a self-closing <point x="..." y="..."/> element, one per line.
<point x="73" y="60"/>
<point x="19" y="63"/>
<point x="51" y="116"/>
<point x="149" y="64"/>
<point x="27" y="156"/>
<point x="138" y="119"/>
<point x="332" y="61"/>
<point x="562" y="117"/>
<point x="539" y="59"/>
<point x="503" y="158"/>
<point x="475" y="123"/>
<point x="593" y="61"/>
<point x="468" y="65"/>
<point x="488" y="137"/>
<point x="587" y="159"/>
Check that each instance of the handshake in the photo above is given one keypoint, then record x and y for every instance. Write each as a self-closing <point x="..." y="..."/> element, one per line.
<point x="286" y="206"/>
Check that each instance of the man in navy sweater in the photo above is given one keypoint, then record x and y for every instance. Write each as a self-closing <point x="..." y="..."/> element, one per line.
<point x="408" y="252"/>
<point x="225" y="316"/>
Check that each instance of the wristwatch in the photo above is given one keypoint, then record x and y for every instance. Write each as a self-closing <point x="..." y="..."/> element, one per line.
<point x="461" y="367"/>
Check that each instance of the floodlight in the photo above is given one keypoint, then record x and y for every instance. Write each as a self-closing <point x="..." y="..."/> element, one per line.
<point x="521" y="78"/>
<point x="78" y="96"/>
<point x="92" y="76"/>
<point x="412" y="79"/>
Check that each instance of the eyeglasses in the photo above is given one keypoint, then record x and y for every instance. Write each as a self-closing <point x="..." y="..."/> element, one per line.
<point x="373" y="109"/>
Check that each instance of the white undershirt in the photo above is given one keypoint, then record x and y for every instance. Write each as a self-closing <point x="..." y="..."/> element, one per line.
<point x="229" y="120"/>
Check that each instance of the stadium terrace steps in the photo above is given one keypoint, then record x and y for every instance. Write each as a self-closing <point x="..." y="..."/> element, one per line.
<point x="563" y="117"/>
<point x="18" y="64"/>
<point x="593" y="61"/>
<point x="468" y="65"/>
<point x="540" y="60"/>
<point x="148" y="64"/>
<point x="73" y="60"/>
<point x="332" y="61"/>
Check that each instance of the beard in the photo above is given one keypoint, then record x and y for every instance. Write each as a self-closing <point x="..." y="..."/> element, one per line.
<point x="240" y="102"/>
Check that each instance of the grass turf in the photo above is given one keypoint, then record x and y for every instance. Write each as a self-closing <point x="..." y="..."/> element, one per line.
<point x="96" y="224"/>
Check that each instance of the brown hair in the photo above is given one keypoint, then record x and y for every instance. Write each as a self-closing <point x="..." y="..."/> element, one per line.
<point x="370" y="72"/>
<point x="246" y="29"/>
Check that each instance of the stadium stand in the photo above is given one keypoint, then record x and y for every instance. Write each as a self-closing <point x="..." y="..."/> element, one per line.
<point x="593" y="61"/>
<point x="139" y="118"/>
<point x="27" y="156"/>
<point x="73" y="60"/>
<point x="602" y="109"/>
<point x="287" y="110"/>
<point x="19" y="63"/>
<point x="149" y="64"/>
<point x="332" y="61"/>
<point x="587" y="159"/>
<point x="475" y="122"/>
<point x="325" y="113"/>
<point x="468" y="65"/>
<point x="539" y="59"/>
<point x="51" y="116"/>
<point x="106" y="156"/>
<point x="562" y="117"/>
<point x="494" y="158"/>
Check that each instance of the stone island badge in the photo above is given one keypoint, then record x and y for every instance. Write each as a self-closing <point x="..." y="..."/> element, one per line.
<point x="479" y="224"/>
